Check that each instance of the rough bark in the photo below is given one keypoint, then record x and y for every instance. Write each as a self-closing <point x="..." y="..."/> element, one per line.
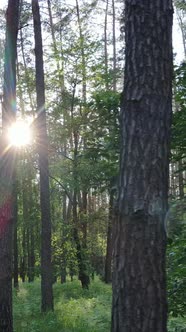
<point x="7" y="168"/>
<point x="139" y="280"/>
<point x="42" y="143"/>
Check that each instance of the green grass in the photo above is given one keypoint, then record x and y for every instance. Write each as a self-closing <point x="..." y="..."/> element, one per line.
<point x="76" y="310"/>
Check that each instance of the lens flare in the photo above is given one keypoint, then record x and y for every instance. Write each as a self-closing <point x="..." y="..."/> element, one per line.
<point x="19" y="134"/>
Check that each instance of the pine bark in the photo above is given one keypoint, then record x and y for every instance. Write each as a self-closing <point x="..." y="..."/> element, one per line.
<point x="42" y="143"/>
<point x="7" y="174"/>
<point x="139" y="280"/>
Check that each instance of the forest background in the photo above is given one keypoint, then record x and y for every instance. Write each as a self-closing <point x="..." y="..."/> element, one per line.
<point x="84" y="57"/>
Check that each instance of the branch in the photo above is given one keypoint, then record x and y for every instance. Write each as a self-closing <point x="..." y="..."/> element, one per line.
<point x="66" y="192"/>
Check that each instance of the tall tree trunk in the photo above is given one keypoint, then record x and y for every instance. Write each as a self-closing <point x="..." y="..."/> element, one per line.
<point x="183" y="29"/>
<point x="7" y="168"/>
<point x="15" y="257"/>
<point x="180" y="179"/>
<point x="23" y="258"/>
<point x="64" y="238"/>
<point x="83" y="60"/>
<point x="114" y="43"/>
<point x="105" y="46"/>
<point x="108" y="260"/>
<point x="27" y="77"/>
<point x="42" y="143"/>
<point x="23" y="262"/>
<point x="31" y="240"/>
<point x="83" y="273"/>
<point x="56" y="52"/>
<point x="139" y="280"/>
<point x="84" y="97"/>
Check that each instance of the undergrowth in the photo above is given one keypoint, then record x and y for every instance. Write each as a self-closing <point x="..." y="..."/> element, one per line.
<point x="76" y="310"/>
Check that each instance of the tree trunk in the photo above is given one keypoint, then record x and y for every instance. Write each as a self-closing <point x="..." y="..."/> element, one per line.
<point x="139" y="280"/>
<point x="83" y="273"/>
<point x="114" y="44"/>
<point x="83" y="59"/>
<point x="56" y="52"/>
<point x="64" y="239"/>
<point x="180" y="179"/>
<point x="180" y="17"/>
<point x="42" y="143"/>
<point x="108" y="260"/>
<point x="15" y="257"/>
<point x="31" y="253"/>
<point x="23" y="258"/>
<point x="106" y="47"/>
<point x="7" y="174"/>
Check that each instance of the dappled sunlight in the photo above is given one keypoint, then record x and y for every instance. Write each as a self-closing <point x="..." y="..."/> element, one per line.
<point x="85" y="310"/>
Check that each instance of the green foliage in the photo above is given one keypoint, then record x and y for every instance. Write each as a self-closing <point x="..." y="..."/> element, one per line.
<point x="180" y="4"/>
<point x="177" y="276"/>
<point x="176" y="260"/>
<point x="179" y="116"/>
<point x="103" y="135"/>
<point x="76" y="310"/>
<point x="177" y="325"/>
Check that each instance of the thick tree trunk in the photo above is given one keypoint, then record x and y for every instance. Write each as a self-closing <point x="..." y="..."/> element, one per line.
<point x="139" y="280"/>
<point x="7" y="175"/>
<point x="42" y="142"/>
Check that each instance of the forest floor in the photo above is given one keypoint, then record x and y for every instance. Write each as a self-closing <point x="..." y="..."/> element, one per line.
<point x="76" y="310"/>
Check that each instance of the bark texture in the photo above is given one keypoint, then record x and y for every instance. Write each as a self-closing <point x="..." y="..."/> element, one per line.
<point x="42" y="140"/>
<point x="139" y="280"/>
<point x="7" y="168"/>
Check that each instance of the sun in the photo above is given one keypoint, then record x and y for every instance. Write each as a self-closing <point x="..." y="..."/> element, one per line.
<point x="19" y="134"/>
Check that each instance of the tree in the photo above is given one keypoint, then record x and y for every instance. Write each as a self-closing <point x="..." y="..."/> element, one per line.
<point x="42" y="144"/>
<point x="139" y="280"/>
<point x="7" y="168"/>
<point x="180" y="6"/>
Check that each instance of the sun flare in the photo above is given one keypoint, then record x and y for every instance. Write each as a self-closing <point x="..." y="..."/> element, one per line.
<point x="19" y="134"/>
